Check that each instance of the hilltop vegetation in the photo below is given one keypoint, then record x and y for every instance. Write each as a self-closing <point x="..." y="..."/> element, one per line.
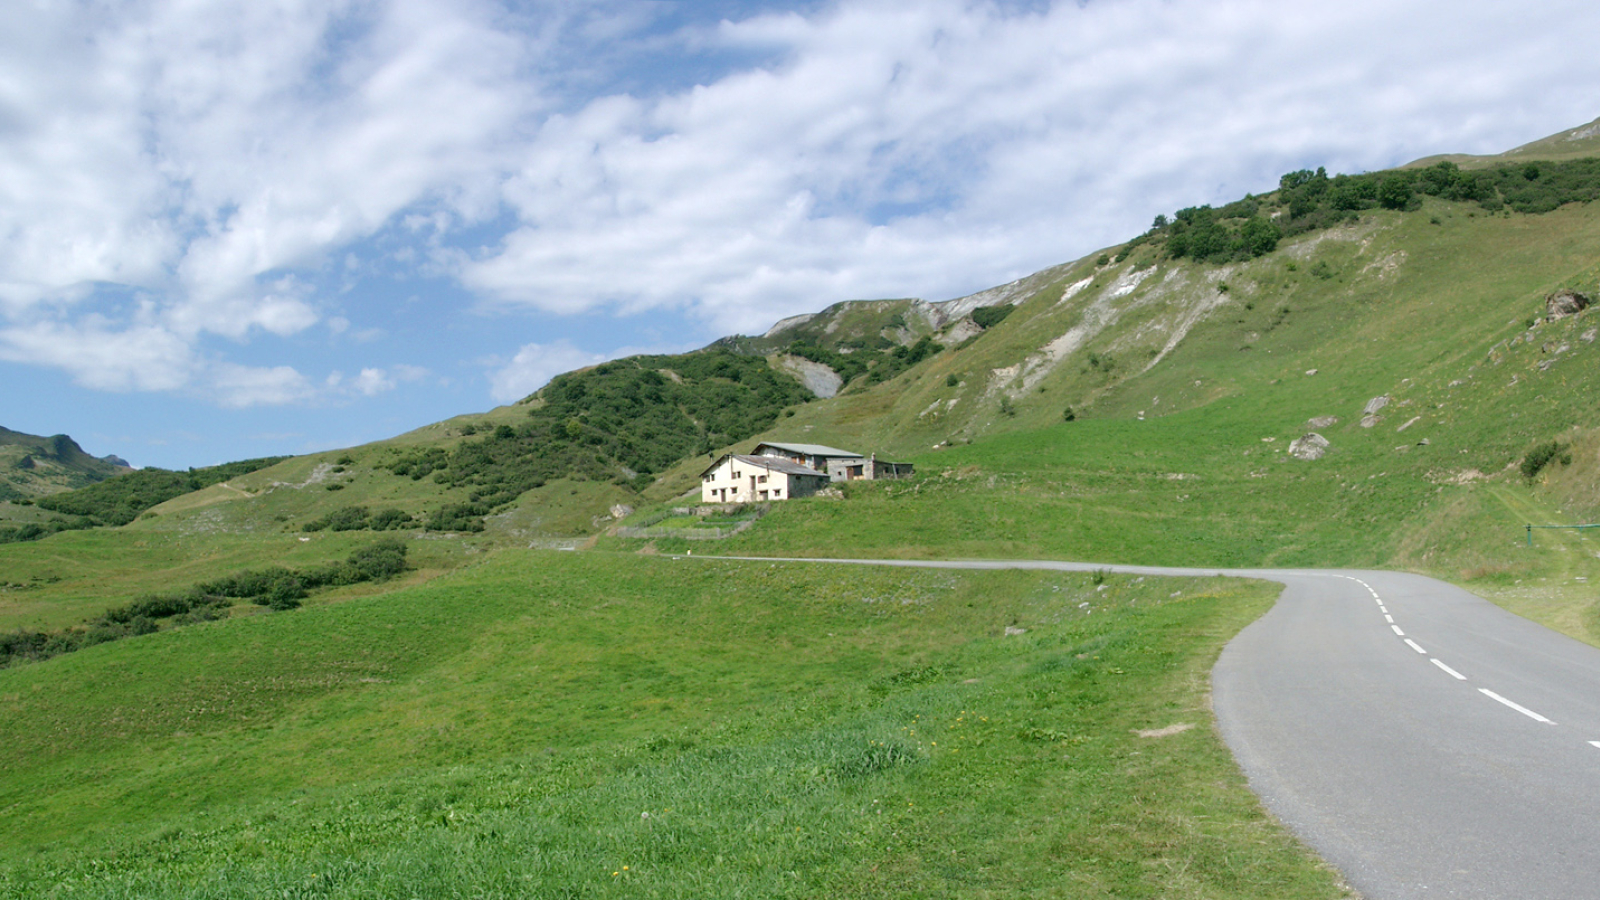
<point x="32" y="466"/>
<point x="121" y="499"/>
<point x="1310" y="201"/>
<point x="620" y="422"/>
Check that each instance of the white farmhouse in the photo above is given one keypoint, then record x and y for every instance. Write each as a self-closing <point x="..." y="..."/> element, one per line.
<point x="736" y="478"/>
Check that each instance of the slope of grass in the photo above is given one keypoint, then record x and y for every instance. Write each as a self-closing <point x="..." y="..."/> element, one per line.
<point x="33" y="466"/>
<point x="577" y="724"/>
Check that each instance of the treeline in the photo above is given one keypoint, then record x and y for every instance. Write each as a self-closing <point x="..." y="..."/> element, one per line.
<point x="879" y="358"/>
<point x="359" y="518"/>
<point x="1309" y="200"/>
<point x="120" y="500"/>
<point x="34" y="531"/>
<point x="622" y="421"/>
<point x="275" y="587"/>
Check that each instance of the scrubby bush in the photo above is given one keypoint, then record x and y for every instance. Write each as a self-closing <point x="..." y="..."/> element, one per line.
<point x="1539" y="456"/>
<point x="274" y="587"/>
<point x="120" y="499"/>
<point x="990" y="316"/>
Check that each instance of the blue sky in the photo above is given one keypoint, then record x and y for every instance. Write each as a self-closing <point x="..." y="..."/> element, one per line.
<point x="235" y="230"/>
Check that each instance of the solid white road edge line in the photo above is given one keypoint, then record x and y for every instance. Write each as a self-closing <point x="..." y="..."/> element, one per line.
<point x="1453" y="673"/>
<point x="1521" y="709"/>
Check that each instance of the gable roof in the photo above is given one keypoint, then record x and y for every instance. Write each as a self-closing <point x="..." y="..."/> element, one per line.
<point x="773" y="464"/>
<point x="808" y="449"/>
<point x="770" y="463"/>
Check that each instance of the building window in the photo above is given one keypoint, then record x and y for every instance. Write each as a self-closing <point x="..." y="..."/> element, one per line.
<point x="762" y="479"/>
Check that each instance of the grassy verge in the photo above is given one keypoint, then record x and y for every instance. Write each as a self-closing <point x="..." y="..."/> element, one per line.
<point x="595" y="725"/>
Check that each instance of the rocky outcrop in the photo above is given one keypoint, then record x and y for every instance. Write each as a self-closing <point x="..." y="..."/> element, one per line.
<point x="1308" y="446"/>
<point x="1565" y="302"/>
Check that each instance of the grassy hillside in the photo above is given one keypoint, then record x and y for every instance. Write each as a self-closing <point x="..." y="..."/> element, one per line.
<point x="1186" y="383"/>
<point x="33" y="466"/>
<point x="581" y="724"/>
<point x="501" y="721"/>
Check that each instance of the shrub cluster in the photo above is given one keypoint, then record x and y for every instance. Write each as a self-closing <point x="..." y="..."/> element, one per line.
<point x="902" y="358"/>
<point x="120" y="499"/>
<point x="990" y="316"/>
<point x="1309" y="200"/>
<point x="33" y="531"/>
<point x="849" y="366"/>
<point x="621" y="421"/>
<point x="274" y="587"/>
<point x="359" y="518"/>
<point x="1540" y="455"/>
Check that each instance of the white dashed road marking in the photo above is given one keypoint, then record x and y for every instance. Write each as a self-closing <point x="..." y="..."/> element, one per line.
<point x="1452" y="672"/>
<point x="1519" y="708"/>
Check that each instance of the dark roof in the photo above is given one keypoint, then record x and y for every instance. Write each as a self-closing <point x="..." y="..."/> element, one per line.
<point x="774" y="464"/>
<point x="809" y="449"/>
<point x="770" y="463"/>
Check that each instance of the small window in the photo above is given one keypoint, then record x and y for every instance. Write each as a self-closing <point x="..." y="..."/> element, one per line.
<point x="762" y="479"/>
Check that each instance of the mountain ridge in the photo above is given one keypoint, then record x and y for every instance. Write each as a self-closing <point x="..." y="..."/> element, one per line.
<point x="35" y="466"/>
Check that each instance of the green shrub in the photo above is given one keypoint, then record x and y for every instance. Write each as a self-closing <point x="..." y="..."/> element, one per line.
<point x="1538" y="457"/>
<point x="120" y="500"/>
<point x="990" y="316"/>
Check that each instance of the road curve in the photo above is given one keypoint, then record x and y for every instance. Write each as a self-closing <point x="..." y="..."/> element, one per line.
<point x="1426" y="742"/>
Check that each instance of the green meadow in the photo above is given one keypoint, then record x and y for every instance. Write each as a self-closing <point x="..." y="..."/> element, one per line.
<point x="637" y="719"/>
<point x="558" y="724"/>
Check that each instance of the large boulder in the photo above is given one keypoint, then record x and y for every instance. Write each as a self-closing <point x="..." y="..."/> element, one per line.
<point x="1308" y="446"/>
<point x="1565" y="302"/>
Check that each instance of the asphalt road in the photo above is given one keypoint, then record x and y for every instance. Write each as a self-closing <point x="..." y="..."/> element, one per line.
<point x="1426" y="742"/>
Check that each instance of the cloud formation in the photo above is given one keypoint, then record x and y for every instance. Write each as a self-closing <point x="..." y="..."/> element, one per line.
<point x="534" y="366"/>
<point x="180" y="180"/>
<point x="205" y="152"/>
<point x="934" y="148"/>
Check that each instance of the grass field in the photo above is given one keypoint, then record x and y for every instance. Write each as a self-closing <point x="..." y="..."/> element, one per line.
<point x="597" y="725"/>
<point x="505" y="723"/>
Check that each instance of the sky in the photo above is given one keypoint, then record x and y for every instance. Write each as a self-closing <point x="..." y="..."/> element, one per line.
<point x="232" y="230"/>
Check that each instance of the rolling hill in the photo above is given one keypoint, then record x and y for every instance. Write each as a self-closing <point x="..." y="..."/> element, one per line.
<point x="33" y="466"/>
<point x="1390" y="369"/>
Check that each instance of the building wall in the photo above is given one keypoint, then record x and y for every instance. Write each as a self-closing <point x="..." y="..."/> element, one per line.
<point x="739" y="482"/>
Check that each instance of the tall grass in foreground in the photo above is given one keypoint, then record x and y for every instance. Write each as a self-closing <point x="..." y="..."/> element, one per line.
<point x="695" y="729"/>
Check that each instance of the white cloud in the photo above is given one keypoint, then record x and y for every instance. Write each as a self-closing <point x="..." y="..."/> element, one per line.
<point x="101" y="357"/>
<point x="372" y="382"/>
<point x="933" y="148"/>
<point x="207" y="150"/>
<point x="534" y="366"/>
<point x="175" y="172"/>
<point x="238" y="386"/>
